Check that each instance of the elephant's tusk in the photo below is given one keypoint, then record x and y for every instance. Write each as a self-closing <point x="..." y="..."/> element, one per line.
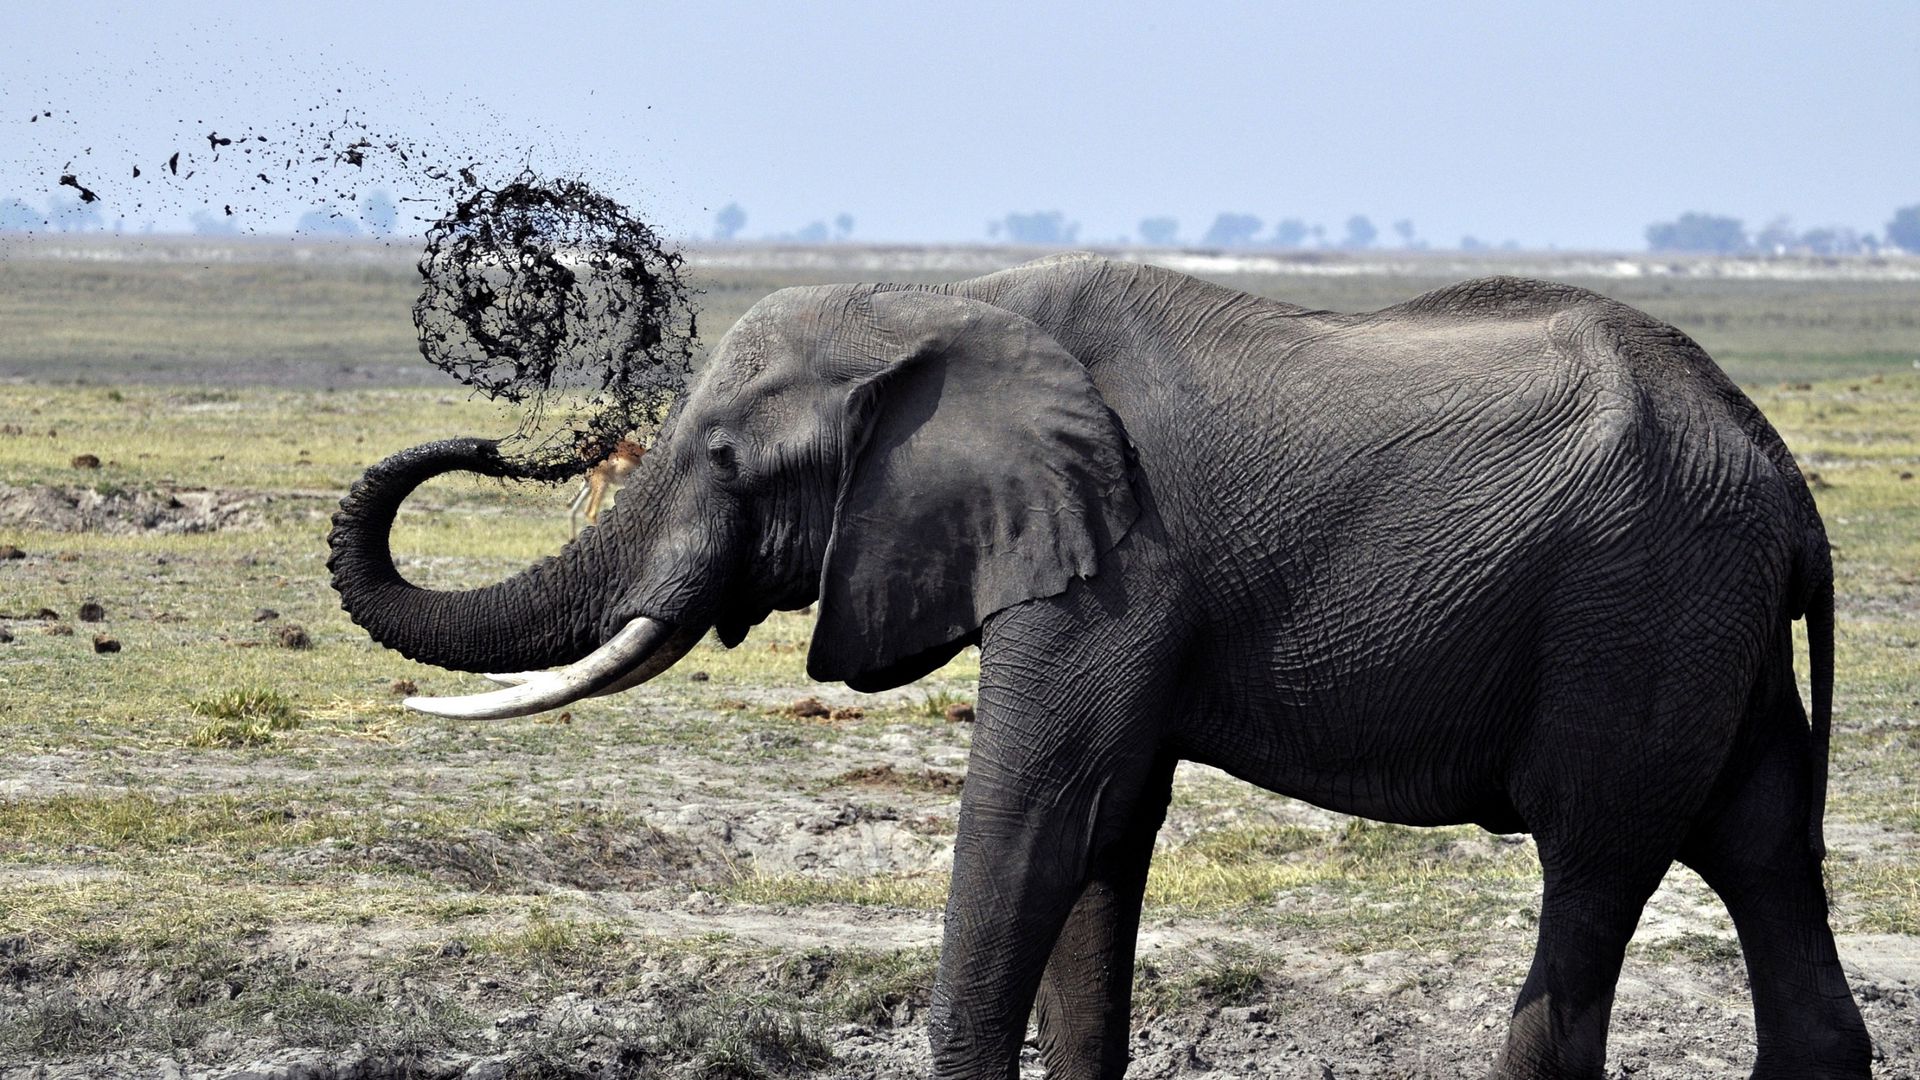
<point x="663" y="657"/>
<point x="538" y="691"/>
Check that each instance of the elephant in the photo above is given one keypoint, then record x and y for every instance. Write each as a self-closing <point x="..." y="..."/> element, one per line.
<point x="1509" y="553"/>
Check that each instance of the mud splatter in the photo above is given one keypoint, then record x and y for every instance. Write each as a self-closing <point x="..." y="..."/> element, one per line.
<point x="542" y="294"/>
<point x="549" y="295"/>
<point x="324" y="167"/>
<point x="86" y="193"/>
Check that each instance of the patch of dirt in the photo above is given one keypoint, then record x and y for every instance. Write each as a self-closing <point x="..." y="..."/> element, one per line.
<point x="122" y="513"/>
<point x="592" y="859"/>
<point x="812" y="708"/>
<point x="887" y="776"/>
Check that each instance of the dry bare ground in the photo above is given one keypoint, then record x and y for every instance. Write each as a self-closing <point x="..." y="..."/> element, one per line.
<point x="742" y="876"/>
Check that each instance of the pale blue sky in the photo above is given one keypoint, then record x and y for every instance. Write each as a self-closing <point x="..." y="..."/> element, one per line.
<point x="1573" y="125"/>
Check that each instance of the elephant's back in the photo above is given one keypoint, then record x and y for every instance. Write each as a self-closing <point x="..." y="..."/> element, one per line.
<point x="1474" y="435"/>
<point x="1431" y="511"/>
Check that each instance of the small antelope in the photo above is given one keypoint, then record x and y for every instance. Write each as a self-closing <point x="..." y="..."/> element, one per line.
<point x="607" y="475"/>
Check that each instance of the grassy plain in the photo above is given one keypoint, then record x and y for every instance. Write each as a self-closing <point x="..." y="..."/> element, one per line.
<point x="690" y="880"/>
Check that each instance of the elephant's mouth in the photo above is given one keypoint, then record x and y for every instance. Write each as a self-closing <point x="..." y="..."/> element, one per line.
<point x="642" y="649"/>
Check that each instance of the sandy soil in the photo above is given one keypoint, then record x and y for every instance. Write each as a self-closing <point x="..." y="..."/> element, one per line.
<point x="123" y="513"/>
<point x="1398" y="1012"/>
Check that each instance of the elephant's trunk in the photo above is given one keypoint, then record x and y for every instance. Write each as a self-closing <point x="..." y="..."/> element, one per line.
<point x="548" y="614"/>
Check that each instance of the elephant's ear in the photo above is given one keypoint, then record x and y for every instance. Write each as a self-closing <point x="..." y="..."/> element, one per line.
<point x="982" y="470"/>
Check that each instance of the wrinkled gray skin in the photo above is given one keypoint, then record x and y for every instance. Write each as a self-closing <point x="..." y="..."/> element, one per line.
<point x="1509" y="553"/>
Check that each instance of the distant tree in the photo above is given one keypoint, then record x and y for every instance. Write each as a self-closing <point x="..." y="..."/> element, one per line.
<point x="1833" y="240"/>
<point x="1159" y="231"/>
<point x="1360" y="232"/>
<point x="1698" y="232"/>
<point x="1319" y="234"/>
<point x="1472" y="243"/>
<point x="1778" y="237"/>
<point x="1903" y="231"/>
<point x="379" y="213"/>
<point x="814" y="232"/>
<point x="19" y="216"/>
<point x="326" y="221"/>
<point x="1404" y="229"/>
<point x="1290" y="233"/>
<point x="729" y="221"/>
<point x="1042" y="228"/>
<point x="1231" y="230"/>
<point x="1819" y="241"/>
<point x="212" y="223"/>
<point x="842" y="225"/>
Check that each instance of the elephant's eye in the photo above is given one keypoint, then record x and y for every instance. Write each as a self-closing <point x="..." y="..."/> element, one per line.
<point x="721" y="456"/>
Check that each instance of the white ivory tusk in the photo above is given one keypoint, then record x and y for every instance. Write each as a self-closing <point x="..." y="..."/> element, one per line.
<point x="539" y="691"/>
<point x="663" y="657"/>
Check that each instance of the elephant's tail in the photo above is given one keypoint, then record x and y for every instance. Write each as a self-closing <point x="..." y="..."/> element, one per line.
<point x="1814" y="599"/>
<point x="1820" y="656"/>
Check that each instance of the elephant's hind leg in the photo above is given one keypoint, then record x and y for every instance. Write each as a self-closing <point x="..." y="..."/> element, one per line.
<point x="1753" y="850"/>
<point x="1615" y="770"/>
<point x="1591" y="904"/>
<point x="1086" y="994"/>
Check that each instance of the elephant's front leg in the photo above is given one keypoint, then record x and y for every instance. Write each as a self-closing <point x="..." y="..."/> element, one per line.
<point x="1055" y="784"/>
<point x="1086" y="994"/>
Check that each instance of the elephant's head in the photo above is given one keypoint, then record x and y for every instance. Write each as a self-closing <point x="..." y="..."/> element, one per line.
<point x="911" y="461"/>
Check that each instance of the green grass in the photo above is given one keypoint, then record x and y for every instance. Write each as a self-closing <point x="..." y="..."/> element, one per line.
<point x="60" y="1026"/>
<point x="197" y="319"/>
<point x="1760" y="332"/>
<point x="863" y="986"/>
<point x="1720" y="948"/>
<point x="343" y="835"/>
<point x="136" y="823"/>
<point x="347" y="323"/>
<point x="246" y="717"/>
<point x="732" y="1042"/>
<point x="1362" y="886"/>
<point x="1879" y="895"/>
<point x="547" y="942"/>
<point x="927" y="892"/>
<point x="934" y="703"/>
<point x="115" y="917"/>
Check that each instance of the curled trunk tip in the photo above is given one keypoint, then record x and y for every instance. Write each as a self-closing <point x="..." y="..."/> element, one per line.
<point x="524" y="622"/>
